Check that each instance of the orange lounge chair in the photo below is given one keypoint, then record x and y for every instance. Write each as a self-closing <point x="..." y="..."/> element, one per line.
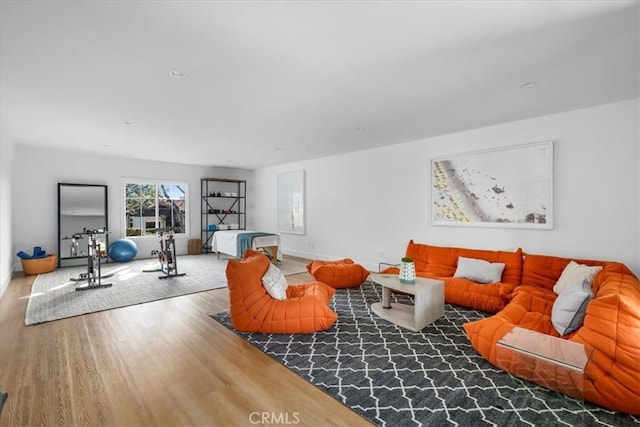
<point x="305" y="310"/>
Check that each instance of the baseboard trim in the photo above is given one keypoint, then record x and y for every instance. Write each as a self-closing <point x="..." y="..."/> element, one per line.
<point x="5" y="283"/>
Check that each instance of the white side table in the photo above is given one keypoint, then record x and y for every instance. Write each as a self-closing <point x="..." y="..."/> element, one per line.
<point x="428" y="301"/>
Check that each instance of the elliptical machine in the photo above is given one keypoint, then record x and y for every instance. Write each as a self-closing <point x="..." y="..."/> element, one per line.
<point x="166" y="255"/>
<point x="95" y="253"/>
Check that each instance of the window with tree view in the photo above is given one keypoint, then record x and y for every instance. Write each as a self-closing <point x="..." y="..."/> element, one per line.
<point x="149" y="207"/>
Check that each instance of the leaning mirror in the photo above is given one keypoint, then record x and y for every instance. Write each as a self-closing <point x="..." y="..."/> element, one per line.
<point x="80" y="207"/>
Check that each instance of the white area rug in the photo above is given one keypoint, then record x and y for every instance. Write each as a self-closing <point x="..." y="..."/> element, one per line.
<point x="53" y="295"/>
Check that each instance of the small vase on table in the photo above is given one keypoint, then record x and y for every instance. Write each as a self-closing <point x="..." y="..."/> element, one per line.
<point x="407" y="271"/>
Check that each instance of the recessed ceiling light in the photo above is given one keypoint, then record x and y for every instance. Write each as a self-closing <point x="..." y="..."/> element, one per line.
<point x="177" y="74"/>
<point x="528" y="85"/>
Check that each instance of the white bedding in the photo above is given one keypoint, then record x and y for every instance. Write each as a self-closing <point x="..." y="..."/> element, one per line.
<point x="226" y="242"/>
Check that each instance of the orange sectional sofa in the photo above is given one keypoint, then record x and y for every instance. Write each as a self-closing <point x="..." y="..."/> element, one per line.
<point x="610" y="333"/>
<point x="435" y="262"/>
<point x="252" y="309"/>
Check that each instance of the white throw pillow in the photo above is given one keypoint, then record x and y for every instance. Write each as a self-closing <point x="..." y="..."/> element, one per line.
<point x="575" y="273"/>
<point x="479" y="270"/>
<point x="570" y="307"/>
<point x="275" y="283"/>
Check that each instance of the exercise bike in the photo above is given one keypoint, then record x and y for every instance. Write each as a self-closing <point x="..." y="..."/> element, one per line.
<point x="166" y="255"/>
<point x="95" y="253"/>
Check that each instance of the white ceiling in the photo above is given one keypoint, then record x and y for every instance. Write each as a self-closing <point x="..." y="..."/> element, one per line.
<point x="274" y="82"/>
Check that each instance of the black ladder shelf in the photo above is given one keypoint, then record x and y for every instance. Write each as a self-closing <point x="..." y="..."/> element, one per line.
<point x="223" y="206"/>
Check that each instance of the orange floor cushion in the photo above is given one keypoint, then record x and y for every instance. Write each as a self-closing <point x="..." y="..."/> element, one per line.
<point x="343" y="273"/>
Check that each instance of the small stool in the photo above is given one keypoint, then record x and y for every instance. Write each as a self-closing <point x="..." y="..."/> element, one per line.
<point x="343" y="273"/>
<point x="194" y="246"/>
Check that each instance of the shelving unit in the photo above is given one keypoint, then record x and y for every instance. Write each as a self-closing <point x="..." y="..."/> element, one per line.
<point x="223" y="202"/>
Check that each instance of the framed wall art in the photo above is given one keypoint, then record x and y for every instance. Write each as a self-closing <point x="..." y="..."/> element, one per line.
<point x="502" y="187"/>
<point x="291" y="202"/>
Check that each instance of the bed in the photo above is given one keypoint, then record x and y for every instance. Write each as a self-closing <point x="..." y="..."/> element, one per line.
<point x="235" y="242"/>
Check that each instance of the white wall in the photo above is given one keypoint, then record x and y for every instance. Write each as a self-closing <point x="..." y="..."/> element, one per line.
<point x="6" y="164"/>
<point x="37" y="171"/>
<point x="367" y="205"/>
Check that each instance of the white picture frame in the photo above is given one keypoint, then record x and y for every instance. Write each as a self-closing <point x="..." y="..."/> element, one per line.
<point x="291" y="202"/>
<point x="509" y="187"/>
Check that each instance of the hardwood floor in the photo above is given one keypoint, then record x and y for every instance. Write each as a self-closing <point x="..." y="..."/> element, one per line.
<point x="162" y="363"/>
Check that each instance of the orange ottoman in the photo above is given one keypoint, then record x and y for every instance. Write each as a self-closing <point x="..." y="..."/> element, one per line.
<point x="343" y="273"/>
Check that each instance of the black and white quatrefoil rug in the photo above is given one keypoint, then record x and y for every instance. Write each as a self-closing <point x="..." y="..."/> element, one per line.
<point x="395" y="377"/>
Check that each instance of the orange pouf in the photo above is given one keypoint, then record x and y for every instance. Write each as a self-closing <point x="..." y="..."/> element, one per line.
<point x="343" y="273"/>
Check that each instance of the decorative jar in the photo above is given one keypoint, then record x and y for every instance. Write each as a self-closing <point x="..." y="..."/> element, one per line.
<point x="407" y="271"/>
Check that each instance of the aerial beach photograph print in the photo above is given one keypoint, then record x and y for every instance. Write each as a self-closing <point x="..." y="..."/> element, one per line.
<point x="504" y="187"/>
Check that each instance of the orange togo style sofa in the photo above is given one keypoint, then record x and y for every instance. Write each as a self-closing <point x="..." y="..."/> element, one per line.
<point x="610" y="333"/>
<point x="434" y="262"/>
<point x="252" y="309"/>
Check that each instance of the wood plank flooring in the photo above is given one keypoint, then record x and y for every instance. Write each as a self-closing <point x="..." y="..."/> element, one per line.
<point x="164" y="363"/>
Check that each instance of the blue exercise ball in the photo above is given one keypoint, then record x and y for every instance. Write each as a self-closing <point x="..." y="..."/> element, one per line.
<point x="123" y="250"/>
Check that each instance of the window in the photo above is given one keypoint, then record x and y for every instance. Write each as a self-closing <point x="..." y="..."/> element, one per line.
<point x="152" y="206"/>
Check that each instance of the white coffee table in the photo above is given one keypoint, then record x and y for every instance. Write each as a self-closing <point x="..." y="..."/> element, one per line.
<point x="428" y="301"/>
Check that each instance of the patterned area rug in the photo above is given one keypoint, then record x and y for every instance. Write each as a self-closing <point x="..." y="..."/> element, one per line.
<point x="53" y="295"/>
<point x="395" y="377"/>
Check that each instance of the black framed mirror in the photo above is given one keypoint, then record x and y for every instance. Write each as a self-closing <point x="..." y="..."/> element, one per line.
<point x="80" y="207"/>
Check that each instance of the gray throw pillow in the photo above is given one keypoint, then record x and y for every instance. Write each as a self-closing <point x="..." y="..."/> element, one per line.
<point x="479" y="270"/>
<point x="569" y="309"/>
